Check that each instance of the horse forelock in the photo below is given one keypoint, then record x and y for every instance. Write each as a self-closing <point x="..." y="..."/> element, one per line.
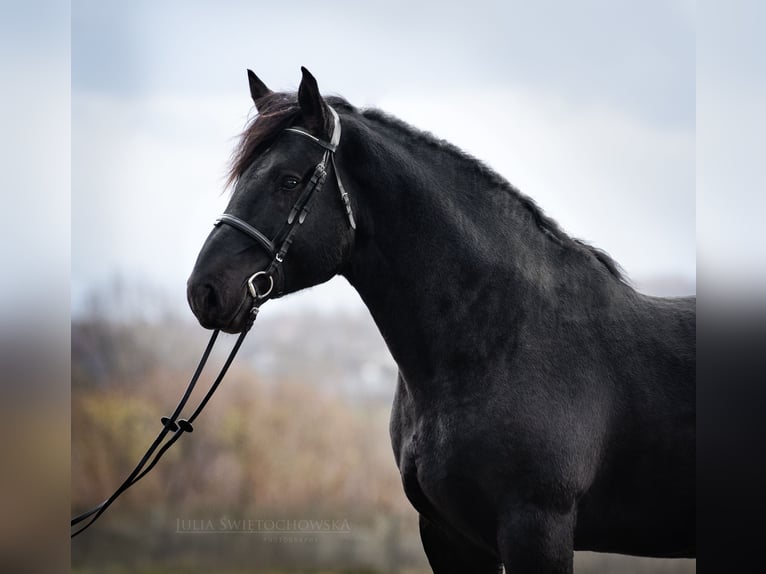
<point x="276" y="112"/>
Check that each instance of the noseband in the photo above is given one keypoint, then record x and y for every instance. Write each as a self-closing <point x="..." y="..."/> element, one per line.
<point x="277" y="248"/>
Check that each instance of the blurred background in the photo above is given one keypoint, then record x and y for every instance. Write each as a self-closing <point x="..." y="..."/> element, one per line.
<point x="125" y="115"/>
<point x="589" y="109"/>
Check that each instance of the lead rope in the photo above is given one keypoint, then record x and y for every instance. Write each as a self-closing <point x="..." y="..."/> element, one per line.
<point x="170" y="424"/>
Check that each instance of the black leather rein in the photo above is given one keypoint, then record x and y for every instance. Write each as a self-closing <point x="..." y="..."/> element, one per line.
<point x="277" y="249"/>
<point x="171" y="424"/>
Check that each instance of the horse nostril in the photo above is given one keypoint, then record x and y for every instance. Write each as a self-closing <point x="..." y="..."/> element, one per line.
<point x="210" y="297"/>
<point x="202" y="297"/>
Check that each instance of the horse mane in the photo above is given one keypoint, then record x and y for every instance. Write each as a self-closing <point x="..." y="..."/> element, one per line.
<point x="278" y="111"/>
<point x="546" y="224"/>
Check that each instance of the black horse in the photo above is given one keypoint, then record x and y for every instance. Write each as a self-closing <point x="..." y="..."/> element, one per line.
<point x="543" y="405"/>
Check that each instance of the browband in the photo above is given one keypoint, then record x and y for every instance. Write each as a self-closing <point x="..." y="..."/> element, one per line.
<point x="332" y="145"/>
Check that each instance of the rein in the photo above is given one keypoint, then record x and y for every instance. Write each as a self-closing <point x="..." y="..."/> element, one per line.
<point x="171" y="424"/>
<point x="179" y="426"/>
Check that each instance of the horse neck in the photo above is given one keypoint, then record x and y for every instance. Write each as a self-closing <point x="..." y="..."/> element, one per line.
<point x="442" y="251"/>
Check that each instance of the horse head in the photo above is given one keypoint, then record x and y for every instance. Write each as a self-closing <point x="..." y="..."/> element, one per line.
<point x="283" y="168"/>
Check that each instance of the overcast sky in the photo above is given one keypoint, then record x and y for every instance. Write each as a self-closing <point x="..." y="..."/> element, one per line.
<point x="588" y="107"/>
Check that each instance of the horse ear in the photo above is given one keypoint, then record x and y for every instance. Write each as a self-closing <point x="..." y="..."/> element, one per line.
<point x="257" y="88"/>
<point x="313" y="107"/>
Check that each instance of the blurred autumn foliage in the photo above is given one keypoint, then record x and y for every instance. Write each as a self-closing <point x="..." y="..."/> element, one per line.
<point x="266" y="447"/>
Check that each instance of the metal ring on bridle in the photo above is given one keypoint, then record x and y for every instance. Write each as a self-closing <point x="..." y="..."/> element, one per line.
<point x="254" y="290"/>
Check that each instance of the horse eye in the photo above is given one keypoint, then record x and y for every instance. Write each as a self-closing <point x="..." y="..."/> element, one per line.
<point x="290" y="182"/>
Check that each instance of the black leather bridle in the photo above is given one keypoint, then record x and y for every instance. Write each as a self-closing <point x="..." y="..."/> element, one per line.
<point x="277" y="249"/>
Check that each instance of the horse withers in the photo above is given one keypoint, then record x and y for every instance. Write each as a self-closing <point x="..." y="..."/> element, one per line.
<point x="542" y="405"/>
